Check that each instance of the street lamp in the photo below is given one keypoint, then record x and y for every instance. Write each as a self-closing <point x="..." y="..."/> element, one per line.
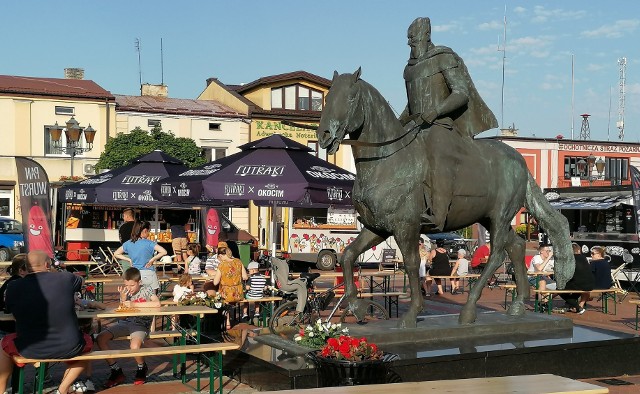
<point x="586" y="166"/>
<point x="73" y="133"/>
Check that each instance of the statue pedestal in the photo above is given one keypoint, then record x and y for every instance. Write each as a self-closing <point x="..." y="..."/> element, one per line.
<point x="489" y="326"/>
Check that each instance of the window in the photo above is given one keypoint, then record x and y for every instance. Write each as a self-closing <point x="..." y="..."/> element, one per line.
<point x="296" y="97"/>
<point x="571" y="167"/>
<point x="154" y="123"/>
<point x="212" y="154"/>
<point x="319" y="152"/>
<point x="65" y="111"/>
<point x="214" y="126"/>
<point x="616" y="169"/>
<point x="49" y="149"/>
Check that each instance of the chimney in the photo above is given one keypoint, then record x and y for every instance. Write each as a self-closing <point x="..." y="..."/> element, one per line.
<point x="148" y="89"/>
<point x="74" y="73"/>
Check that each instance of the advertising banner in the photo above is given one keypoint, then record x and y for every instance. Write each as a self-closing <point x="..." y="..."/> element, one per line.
<point x="635" y="188"/>
<point x="33" y="186"/>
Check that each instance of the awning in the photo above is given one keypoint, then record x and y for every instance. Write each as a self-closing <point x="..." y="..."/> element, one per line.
<point x="586" y="202"/>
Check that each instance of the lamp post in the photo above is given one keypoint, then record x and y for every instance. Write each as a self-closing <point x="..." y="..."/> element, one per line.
<point x="73" y="133"/>
<point x="586" y="166"/>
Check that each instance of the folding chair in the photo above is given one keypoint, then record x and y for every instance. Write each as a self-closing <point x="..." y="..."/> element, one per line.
<point x="616" y="281"/>
<point x="100" y="266"/>
<point x="114" y="264"/>
<point x="117" y="266"/>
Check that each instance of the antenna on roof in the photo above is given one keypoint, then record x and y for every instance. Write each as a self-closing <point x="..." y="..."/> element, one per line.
<point x="137" y="45"/>
<point x="161" y="64"/>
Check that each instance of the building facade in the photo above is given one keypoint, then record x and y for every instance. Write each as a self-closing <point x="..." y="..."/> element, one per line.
<point x="279" y="104"/>
<point x="29" y="107"/>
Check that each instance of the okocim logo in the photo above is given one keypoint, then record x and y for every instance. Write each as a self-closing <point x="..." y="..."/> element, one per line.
<point x="328" y="173"/>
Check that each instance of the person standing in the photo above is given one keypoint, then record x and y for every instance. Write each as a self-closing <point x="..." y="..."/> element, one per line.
<point x="443" y="103"/>
<point x="179" y="240"/>
<point x="140" y="254"/>
<point x="124" y="232"/>
<point x="439" y="266"/>
<point x="43" y="304"/>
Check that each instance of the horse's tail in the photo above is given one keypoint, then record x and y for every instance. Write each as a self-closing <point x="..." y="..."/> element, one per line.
<point x="557" y="227"/>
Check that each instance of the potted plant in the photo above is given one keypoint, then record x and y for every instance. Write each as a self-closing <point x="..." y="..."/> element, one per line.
<point x="349" y="361"/>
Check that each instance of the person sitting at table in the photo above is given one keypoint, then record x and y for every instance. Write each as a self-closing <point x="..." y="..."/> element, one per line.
<point x="460" y="268"/>
<point x="255" y="288"/>
<point x="229" y="276"/>
<point x="424" y="252"/>
<point x="133" y="294"/>
<point x="600" y="268"/>
<point x="542" y="262"/>
<point x="17" y="270"/>
<point x="46" y="322"/>
<point x="480" y="258"/>
<point x="192" y="263"/>
<point x="439" y="266"/>
<point x="184" y="287"/>
<point x="140" y="253"/>
<point x="582" y="280"/>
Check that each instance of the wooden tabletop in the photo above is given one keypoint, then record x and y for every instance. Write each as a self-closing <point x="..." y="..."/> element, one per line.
<point x="455" y="276"/>
<point x="74" y="262"/>
<point x="168" y="310"/>
<point x="526" y="384"/>
<point x="104" y="279"/>
<point x="194" y="278"/>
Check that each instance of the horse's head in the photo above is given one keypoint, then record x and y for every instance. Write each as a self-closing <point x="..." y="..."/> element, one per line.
<point x="341" y="114"/>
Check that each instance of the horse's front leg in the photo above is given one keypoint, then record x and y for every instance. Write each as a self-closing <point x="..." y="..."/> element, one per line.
<point x="365" y="240"/>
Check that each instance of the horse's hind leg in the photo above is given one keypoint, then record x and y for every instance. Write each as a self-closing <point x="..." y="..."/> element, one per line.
<point x="499" y="237"/>
<point x="515" y="250"/>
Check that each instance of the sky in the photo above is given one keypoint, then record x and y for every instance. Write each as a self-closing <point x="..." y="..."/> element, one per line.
<point x="241" y="41"/>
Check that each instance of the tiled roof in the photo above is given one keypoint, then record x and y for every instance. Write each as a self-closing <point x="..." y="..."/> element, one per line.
<point x="52" y="87"/>
<point x="280" y="78"/>
<point x="176" y="106"/>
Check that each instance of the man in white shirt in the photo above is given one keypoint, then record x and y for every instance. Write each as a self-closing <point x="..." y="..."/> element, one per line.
<point x="542" y="262"/>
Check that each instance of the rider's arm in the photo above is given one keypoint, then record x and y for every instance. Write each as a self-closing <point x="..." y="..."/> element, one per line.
<point x="459" y="97"/>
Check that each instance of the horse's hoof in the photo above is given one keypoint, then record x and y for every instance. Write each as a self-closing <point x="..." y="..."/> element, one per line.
<point x="467" y="315"/>
<point x="517" y="308"/>
<point x="408" y="323"/>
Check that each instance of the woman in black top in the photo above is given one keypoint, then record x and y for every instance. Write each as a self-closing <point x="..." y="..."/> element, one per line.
<point x="600" y="268"/>
<point x="439" y="266"/>
<point x="582" y="280"/>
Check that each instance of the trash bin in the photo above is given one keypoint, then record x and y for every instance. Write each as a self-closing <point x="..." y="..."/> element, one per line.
<point x="244" y="249"/>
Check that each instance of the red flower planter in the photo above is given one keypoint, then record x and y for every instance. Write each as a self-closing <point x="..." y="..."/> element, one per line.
<point x="332" y="372"/>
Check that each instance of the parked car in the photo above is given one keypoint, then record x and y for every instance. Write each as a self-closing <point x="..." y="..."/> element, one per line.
<point x="11" y="238"/>
<point x="452" y="242"/>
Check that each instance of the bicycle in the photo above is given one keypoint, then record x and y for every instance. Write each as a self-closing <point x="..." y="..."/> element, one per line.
<point x="286" y="319"/>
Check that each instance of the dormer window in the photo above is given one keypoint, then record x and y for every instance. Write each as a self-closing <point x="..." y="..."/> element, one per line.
<point x="296" y="97"/>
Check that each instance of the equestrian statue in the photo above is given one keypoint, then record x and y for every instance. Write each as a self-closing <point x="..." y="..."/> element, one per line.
<point x="425" y="173"/>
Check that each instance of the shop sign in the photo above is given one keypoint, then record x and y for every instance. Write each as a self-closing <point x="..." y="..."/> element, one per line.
<point x="260" y="170"/>
<point x="608" y="148"/>
<point x="265" y="128"/>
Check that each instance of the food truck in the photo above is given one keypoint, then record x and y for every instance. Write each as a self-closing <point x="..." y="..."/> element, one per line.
<point x="600" y="216"/>
<point x="320" y="236"/>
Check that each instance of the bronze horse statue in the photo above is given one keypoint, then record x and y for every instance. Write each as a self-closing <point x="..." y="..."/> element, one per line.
<point x="492" y="185"/>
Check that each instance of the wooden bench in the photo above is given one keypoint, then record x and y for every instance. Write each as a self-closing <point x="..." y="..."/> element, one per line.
<point x="636" y="301"/>
<point x="472" y="278"/>
<point x="214" y="361"/>
<point x="525" y="384"/>
<point x="265" y="312"/>
<point x="509" y="288"/>
<point x="390" y="298"/>
<point x="605" y="295"/>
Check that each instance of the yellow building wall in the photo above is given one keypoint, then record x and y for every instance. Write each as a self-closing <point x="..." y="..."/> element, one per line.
<point x="215" y="92"/>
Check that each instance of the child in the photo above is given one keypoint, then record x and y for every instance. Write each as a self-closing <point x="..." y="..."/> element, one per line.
<point x="184" y="286"/>
<point x="211" y="265"/>
<point x="255" y="287"/>
<point x="460" y="268"/>
<point x="192" y="264"/>
<point x="132" y="294"/>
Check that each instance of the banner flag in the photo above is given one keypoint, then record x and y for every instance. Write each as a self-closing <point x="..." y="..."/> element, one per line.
<point x="33" y="186"/>
<point x="635" y="189"/>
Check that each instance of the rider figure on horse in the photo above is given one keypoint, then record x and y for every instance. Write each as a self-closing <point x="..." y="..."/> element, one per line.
<point x="445" y="106"/>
